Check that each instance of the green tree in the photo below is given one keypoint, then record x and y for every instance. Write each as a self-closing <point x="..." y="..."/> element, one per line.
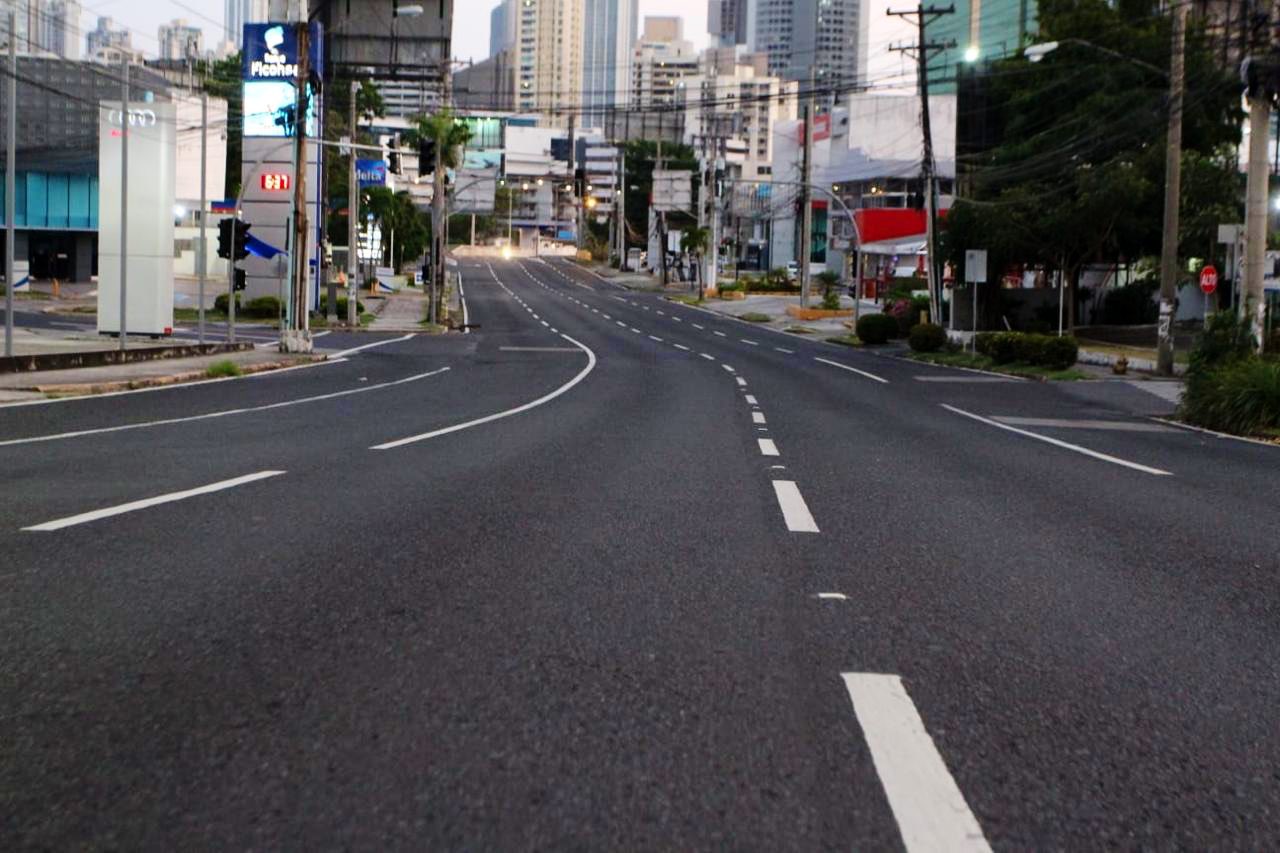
<point x="222" y="79"/>
<point x="1078" y="173"/>
<point x="694" y="242"/>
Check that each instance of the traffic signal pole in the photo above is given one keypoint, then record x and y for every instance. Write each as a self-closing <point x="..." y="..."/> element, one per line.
<point x="353" y="216"/>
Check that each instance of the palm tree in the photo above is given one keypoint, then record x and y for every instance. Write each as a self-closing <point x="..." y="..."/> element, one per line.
<point x="449" y="136"/>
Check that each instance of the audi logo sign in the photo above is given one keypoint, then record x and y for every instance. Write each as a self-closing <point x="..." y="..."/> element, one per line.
<point x="272" y="181"/>
<point x="137" y="118"/>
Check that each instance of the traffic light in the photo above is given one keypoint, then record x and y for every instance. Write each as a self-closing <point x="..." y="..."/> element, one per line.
<point x="224" y="238"/>
<point x="426" y="156"/>
<point x="579" y="182"/>
<point x="240" y="280"/>
<point x="242" y="238"/>
<point x="393" y="156"/>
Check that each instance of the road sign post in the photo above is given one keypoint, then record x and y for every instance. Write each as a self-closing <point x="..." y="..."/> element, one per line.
<point x="975" y="273"/>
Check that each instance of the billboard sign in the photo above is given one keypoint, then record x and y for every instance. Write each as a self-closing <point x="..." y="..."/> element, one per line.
<point x="371" y="173"/>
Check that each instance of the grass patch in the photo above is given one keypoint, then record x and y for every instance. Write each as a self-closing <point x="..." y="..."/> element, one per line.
<point x="982" y="362"/>
<point x="192" y="315"/>
<point x="224" y="368"/>
<point x="433" y="328"/>
<point x="846" y="341"/>
<point x="798" y="330"/>
<point x="755" y="317"/>
<point x="687" y="300"/>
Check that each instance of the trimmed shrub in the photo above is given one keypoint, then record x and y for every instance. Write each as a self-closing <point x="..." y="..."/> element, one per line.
<point x="342" y="306"/>
<point x="984" y="341"/>
<point x="831" y="300"/>
<point x="927" y="337"/>
<point x="876" y="329"/>
<point x="1060" y="352"/>
<point x="1029" y="349"/>
<point x="1004" y="347"/>
<point x="263" y="307"/>
<point x="220" y="303"/>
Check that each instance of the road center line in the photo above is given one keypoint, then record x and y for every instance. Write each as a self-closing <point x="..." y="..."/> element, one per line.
<point x="1063" y="444"/>
<point x="853" y="370"/>
<point x="787" y="351"/>
<point x="795" y="512"/>
<point x="767" y="447"/>
<point x="758" y="418"/>
<point x="363" y="347"/>
<point x="721" y="334"/>
<point x="741" y="381"/>
<point x="751" y="400"/>
<point x="656" y="338"/>
<point x="707" y="356"/>
<point x="749" y="343"/>
<point x="133" y="506"/>
<point x="702" y="328"/>
<point x="927" y="804"/>
<point x="533" y="404"/>
<point x="683" y="347"/>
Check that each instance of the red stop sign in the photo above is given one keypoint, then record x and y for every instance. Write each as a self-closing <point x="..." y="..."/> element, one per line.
<point x="1209" y="279"/>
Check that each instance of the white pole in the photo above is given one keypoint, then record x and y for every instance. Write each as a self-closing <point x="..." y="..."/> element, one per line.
<point x="10" y="179"/>
<point x="203" y="255"/>
<point x="124" y="200"/>
<point x="1062" y="285"/>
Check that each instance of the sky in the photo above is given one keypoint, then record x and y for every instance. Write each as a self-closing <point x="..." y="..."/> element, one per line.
<point x="470" y="29"/>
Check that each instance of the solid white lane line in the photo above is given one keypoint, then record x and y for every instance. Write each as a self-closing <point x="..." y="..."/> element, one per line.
<point x="1073" y="423"/>
<point x="749" y="343"/>
<point x="853" y="370"/>
<point x="741" y="381"/>
<point x="683" y="347"/>
<point x="533" y="404"/>
<point x="346" y="352"/>
<point x="133" y="506"/>
<point x="927" y="804"/>
<point x="727" y="367"/>
<point x="1063" y="444"/>
<point x="222" y="413"/>
<point x="707" y="356"/>
<point x="787" y="351"/>
<point x="767" y="447"/>
<point x="751" y="400"/>
<point x="758" y="418"/>
<point x="795" y="512"/>
<point x="537" y="349"/>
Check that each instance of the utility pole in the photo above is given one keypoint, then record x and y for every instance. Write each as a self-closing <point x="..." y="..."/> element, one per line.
<point x="622" y="206"/>
<point x="806" y="195"/>
<point x="298" y="337"/>
<point x="204" y="203"/>
<point x="10" y="179"/>
<point x="124" y="200"/>
<point x="1173" y="194"/>
<point x="1251" y="305"/>
<point x="573" y="176"/>
<point x="438" y="213"/>
<point x="924" y="51"/>
<point x="662" y="216"/>
<point x="353" y="215"/>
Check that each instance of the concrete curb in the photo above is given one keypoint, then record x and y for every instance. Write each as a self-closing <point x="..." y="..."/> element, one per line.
<point x="89" y="388"/>
<point x="98" y="358"/>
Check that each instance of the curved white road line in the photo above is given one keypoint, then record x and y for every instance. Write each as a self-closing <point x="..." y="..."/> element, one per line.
<point x="533" y="404"/>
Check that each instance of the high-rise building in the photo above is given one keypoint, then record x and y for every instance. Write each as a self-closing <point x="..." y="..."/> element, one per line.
<point x="662" y="66"/>
<point x="983" y="31"/>
<point x="237" y="13"/>
<point x="61" y="24"/>
<point x="502" y="26"/>
<point x="662" y="28"/>
<point x="608" y="34"/>
<point x="824" y="38"/>
<point x="179" y="40"/>
<point x="104" y="38"/>
<point x="727" y="22"/>
<point x="548" y="51"/>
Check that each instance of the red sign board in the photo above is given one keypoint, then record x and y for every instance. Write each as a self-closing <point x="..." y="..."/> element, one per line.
<point x="1209" y="279"/>
<point x="276" y="181"/>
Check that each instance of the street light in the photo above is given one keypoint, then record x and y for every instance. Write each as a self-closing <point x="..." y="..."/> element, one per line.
<point x="972" y="52"/>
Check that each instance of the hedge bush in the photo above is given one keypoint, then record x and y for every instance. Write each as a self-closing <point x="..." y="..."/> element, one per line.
<point x="876" y="328"/>
<point x="220" y="303"/>
<point x="1055" y="353"/>
<point x="263" y="307"/>
<point x="1061" y="352"/>
<point x="927" y="337"/>
<point x="1239" y="396"/>
<point x="342" y="306"/>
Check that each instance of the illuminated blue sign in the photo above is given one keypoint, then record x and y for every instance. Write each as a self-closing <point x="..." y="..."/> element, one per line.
<point x="371" y="173"/>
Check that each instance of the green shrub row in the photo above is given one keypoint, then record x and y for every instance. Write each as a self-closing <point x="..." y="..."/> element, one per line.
<point x="927" y="337"/>
<point x="1229" y="388"/>
<point x="342" y="306"/>
<point x="1051" y="351"/>
<point x="876" y="329"/>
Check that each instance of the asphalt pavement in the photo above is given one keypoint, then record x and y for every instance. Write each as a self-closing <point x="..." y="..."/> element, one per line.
<point x="609" y="571"/>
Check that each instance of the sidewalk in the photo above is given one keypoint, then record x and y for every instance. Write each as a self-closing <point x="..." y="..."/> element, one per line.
<point x="38" y="384"/>
<point x="775" y="308"/>
<point x="401" y="312"/>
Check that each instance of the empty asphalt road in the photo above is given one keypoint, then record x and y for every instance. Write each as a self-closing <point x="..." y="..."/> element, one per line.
<point x="615" y="572"/>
